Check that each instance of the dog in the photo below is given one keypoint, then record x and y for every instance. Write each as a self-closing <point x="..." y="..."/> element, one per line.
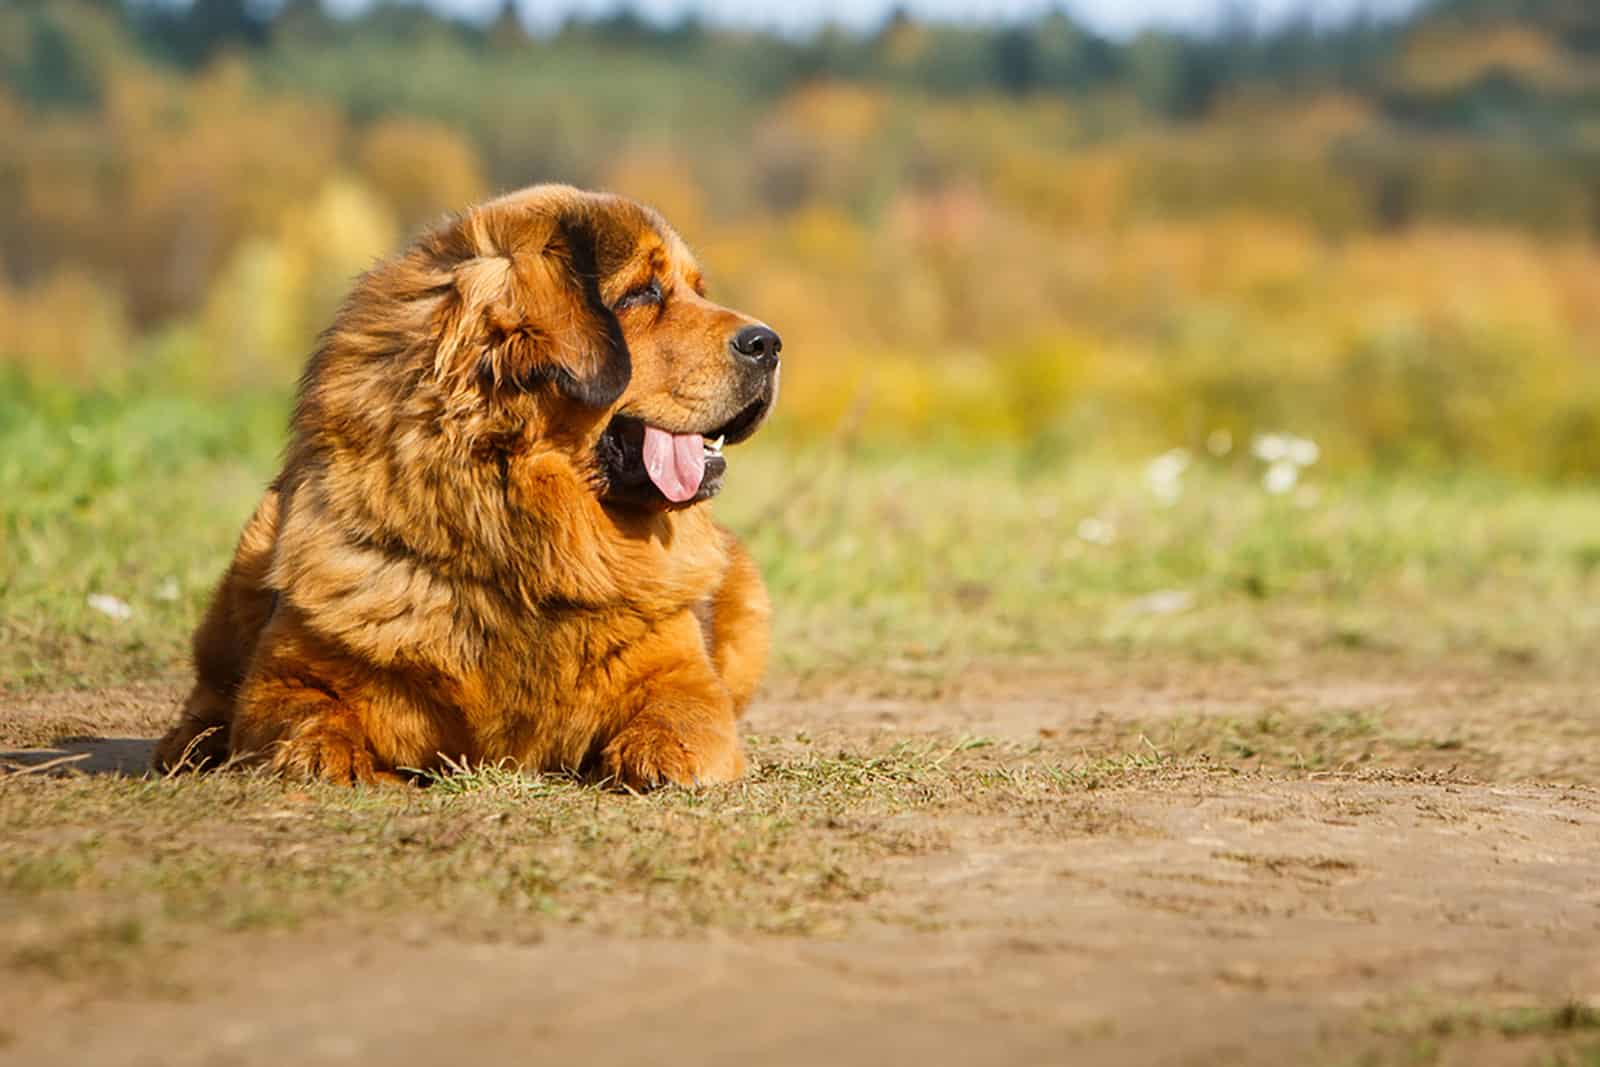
<point x="490" y="540"/>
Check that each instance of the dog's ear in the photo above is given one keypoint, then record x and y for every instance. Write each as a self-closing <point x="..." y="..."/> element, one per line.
<point x="529" y="313"/>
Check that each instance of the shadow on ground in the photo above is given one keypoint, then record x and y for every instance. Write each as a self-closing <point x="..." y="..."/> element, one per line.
<point x="125" y="756"/>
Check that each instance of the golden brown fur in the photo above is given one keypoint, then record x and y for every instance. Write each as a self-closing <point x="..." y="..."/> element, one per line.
<point x="440" y="570"/>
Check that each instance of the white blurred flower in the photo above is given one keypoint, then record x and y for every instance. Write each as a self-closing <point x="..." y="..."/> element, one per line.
<point x="1303" y="452"/>
<point x="1285" y="447"/>
<point x="1169" y="465"/>
<point x="1164" y="474"/>
<point x="1281" y="477"/>
<point x="1096" y="531"/>
<point x="1166" y="602"/>
<point x="1285" y="456"/>
<point x="110" y="606"/>
<point x="168" y="589"/>
<point x="1219" y="442"/>
<point x="1270" y="447"/>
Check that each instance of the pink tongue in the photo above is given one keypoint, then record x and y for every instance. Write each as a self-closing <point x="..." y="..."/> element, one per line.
<point x="676" y="462"/>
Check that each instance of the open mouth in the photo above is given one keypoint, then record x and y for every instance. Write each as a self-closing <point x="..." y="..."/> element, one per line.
<point x="649" y="466"/>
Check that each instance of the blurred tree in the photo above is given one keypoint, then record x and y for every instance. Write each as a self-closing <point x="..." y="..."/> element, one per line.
<point x="1070" y="57"/>
<point x="1017" y="63"/>
<point x="191" y="35"/>
<point x="834" y="50"/>
<point x="1174" y="78"/>
<point x="54" y="56"/>
<point x="301" y="20"/>
<point x="685" y="34"/>
<point x="507" y="30"/>
<point x="625" y="26"/>
<point x="420" y="169"/>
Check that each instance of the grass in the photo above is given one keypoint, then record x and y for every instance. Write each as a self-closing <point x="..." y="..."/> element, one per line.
<point x="100" y="874"/>
<point x="136" y="498"/>
<point x="1278" y="738"/>
<point x="1519" y="1020"/>
<point x="907" y="565"/>
<point x="1560" y="1034"/>
<point x="893" y="569"/>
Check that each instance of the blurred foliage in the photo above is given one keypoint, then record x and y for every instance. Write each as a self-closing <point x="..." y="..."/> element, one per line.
<point x="1381" y="235"/>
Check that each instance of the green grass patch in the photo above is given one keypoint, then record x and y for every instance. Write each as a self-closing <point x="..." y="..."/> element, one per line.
<point x="907" y="565"/>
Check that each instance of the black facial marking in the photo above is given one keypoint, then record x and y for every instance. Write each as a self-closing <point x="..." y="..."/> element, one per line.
<point x="614" y="366"/>
<point x="597" y="391"/>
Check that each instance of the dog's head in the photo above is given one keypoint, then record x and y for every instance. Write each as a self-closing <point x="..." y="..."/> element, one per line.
<point x="588" y="312"/>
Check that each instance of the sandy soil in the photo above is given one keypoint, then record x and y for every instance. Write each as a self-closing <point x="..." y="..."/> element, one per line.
<point x="1377" y="907"/>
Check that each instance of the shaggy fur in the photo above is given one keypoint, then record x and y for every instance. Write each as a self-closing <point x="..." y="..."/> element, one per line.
<point x="450" y="566"/>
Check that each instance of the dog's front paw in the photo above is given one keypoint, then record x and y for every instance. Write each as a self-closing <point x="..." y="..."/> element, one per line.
<point x="330" y="752"/>
<point x="652" y="752"/>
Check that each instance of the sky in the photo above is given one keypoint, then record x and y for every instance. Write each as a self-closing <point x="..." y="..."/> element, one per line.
<point x="1117" y="17"/>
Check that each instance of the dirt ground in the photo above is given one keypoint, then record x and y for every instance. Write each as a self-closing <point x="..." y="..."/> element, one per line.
<point x="1348" y="864"/>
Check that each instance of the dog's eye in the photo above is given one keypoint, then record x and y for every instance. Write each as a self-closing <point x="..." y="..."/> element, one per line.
<point x="649" y="293"/>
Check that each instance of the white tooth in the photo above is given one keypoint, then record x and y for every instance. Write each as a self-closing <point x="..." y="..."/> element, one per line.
<point x="716" y="446"/>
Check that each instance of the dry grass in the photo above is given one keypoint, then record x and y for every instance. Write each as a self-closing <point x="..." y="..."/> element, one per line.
<point x="101" y="872"/>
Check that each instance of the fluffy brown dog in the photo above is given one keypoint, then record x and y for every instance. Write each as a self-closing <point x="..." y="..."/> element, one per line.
<point x="489" y="539"/>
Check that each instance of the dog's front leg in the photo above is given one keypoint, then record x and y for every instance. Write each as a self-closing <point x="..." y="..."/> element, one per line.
<point x="308" y="714"/>
<point x="679" y="727"/>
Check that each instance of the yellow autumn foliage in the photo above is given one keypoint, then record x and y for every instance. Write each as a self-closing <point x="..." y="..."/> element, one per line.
<point x="967" y="268"/>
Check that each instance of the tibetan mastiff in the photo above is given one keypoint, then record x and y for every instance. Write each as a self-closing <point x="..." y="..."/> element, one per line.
<point x="490" y="541"/>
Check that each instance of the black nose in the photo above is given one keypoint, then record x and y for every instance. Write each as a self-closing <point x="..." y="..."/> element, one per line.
<point x="759" y="344"/>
